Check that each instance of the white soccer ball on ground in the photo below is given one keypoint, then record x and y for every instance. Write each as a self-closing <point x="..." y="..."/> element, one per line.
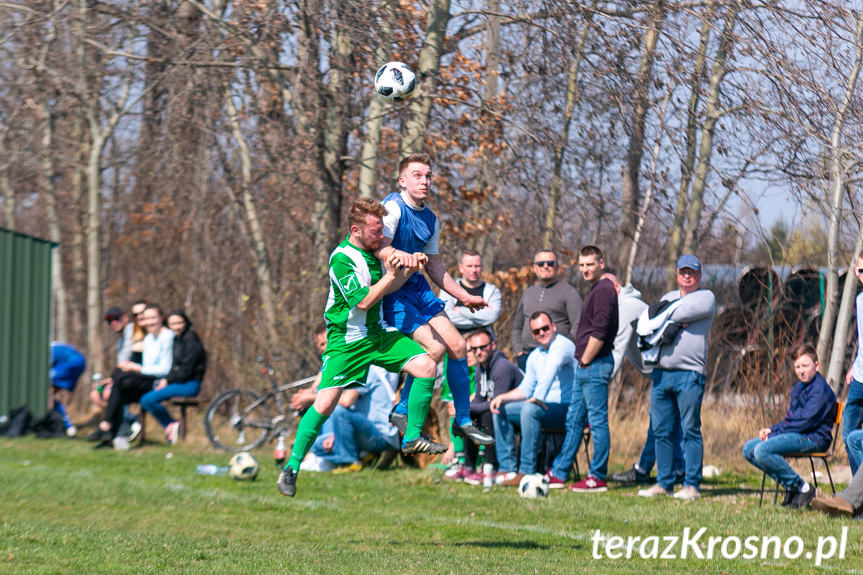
<point x="243" y="466"/>
<point x="533" y="486"/>
<point x="395" y="81"/>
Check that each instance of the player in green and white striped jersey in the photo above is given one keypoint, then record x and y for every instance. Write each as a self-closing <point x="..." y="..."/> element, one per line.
<point x="357" y="335"/>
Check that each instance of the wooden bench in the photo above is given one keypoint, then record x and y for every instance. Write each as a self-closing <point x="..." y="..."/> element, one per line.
<point x="181" y="402"/>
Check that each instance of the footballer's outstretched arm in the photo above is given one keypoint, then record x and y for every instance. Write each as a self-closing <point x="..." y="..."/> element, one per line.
<point x="438" y="274"/>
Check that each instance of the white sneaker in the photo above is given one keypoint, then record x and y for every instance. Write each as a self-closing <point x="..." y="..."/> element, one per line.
<point x="655" y="490"/>
<point x="121" y="443"/>
<point x="134" y="430"/>
<point x="503" y="476"/>
<point x="71" y="431"/>
<point x="172" y="432"/>
<point x="687" y="493"/>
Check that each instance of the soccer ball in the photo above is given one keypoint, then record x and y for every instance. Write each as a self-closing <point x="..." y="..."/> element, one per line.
<point x="243" y="466"/>
<point x="395" y="81"/>
<point x="533" y="486"/>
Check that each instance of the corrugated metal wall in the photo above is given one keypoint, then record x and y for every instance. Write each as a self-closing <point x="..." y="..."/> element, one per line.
<point x="25" y="322"/>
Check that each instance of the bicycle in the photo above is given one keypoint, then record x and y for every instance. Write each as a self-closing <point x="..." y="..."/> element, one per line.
<point x="240" y="420"/>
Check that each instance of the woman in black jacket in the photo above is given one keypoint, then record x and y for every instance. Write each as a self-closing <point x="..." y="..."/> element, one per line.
<point x="184" y="379"/>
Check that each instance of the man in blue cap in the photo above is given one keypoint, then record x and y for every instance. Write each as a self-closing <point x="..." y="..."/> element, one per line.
<point x="678" y="380"/>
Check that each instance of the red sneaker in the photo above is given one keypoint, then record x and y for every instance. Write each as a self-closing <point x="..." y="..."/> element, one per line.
<point x="473" y="478"/>
<point x="554" y="482"/>
<point x="589" y="484"/>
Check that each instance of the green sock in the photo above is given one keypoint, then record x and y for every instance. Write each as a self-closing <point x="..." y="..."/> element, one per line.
<point x="457" y="441"/>
<point x="419" y="401"/>
<point x="307" y="431"/>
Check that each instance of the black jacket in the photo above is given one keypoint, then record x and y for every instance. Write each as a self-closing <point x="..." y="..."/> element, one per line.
<point x="190" y="358"/>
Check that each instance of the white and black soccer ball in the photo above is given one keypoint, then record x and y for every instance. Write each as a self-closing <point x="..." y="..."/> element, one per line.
<point x="395" y="81"/>
<point x="243" y="466"/>
<point x="533" y="486"/>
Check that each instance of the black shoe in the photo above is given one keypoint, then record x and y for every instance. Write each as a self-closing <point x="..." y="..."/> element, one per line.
<point x="99" y="435"/>
<point x="287" y="482"/>
<point x="386" y="459"/>
<point x="789" y="496"/>
<point x="473" y="433"/>
<point x="631" y="476"/>
<point x="104" y="443"/>
<point x="423" y="445"/>
<point x="399" y="421"/>
<point x="802" y="500"/>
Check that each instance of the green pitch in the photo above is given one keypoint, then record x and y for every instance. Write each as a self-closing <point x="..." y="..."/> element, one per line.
<point x="65" y="508"/>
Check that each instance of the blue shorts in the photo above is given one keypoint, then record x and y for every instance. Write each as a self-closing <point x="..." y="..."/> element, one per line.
<point x="413" y="305"/>
<point x="65" y="376"/>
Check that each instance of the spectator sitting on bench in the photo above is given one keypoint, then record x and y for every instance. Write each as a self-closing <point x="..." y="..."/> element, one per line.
<point x="129" y="345"/>
<point x="807" y="427"/>
<point x="133" y="380"/>
<point x="184" y="379"/>
<point x="540" y="401"/>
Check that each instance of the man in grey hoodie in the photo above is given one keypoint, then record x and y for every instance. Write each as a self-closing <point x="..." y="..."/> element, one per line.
<point x="678" y="382"/>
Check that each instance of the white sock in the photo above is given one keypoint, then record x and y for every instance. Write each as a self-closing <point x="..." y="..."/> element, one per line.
<point x="805" y="488"/>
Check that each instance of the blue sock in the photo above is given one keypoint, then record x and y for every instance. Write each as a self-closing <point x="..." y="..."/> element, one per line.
<point x="459" y="384"/>
<point x="61" y="409"/>
<point x="402" y="406"/>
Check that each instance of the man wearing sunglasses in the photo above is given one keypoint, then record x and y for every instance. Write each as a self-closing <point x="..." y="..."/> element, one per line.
<point x="540" y="401"/>
<point x="495" y="375"/>
<point x="560" y="300"/>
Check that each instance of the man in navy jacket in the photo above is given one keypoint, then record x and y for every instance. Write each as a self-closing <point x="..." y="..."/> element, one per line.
<point x="807" y="427"/>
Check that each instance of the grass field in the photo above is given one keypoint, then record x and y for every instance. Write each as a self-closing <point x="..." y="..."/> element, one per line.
<point x="68" y="509"/>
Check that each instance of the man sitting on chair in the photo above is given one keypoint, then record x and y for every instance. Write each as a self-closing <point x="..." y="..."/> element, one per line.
<point x="806" y="428"/>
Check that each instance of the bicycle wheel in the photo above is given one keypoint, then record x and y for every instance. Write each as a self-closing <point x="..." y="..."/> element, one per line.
<point x="238" y="420"/>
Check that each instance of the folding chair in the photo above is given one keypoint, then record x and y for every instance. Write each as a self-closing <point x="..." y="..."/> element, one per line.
<point x="822" y="455"/>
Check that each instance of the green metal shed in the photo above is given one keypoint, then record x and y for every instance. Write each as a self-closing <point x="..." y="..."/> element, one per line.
<point x="25" y="322"/>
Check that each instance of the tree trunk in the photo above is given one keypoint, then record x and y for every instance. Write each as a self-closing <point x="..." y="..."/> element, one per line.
<point x="631" y="191"/>
<point x="376" y="111"/>
<point x="648" y="196"/>
<point x="550" y="223"/>
<point x="837" y="177"/>
<point x="428" y="69"/>
<point x="251" y="226"/>
<point x="688" y="163"/>
<point x="94" y="256"/>
<point x="836" y="366"/>
<point x="712" y="111"/>
<point x="486" y="240"/>
<point x="46" y="179"/>
<point x="8" y="195"/>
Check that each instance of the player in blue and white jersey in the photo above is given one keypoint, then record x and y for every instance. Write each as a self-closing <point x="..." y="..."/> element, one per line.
<point x="411" y="231"/>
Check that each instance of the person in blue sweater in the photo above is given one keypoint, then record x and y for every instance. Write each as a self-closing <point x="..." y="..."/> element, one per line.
<point x="67" y="365"/>
<point x="807" y="427"/>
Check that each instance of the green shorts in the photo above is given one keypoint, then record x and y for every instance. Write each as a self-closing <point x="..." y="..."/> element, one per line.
<point x="348" y="365"/>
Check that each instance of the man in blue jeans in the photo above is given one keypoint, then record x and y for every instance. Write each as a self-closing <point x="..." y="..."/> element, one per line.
<point x="806" y="428"/>
<point x="852" y="417"/>
<point x="678" y="381"/>
<point x="540" y="400"/>
<point x="594" y="344"/>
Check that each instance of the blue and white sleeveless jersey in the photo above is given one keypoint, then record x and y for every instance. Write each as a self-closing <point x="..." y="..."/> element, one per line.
<point x="411" y="229"/>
